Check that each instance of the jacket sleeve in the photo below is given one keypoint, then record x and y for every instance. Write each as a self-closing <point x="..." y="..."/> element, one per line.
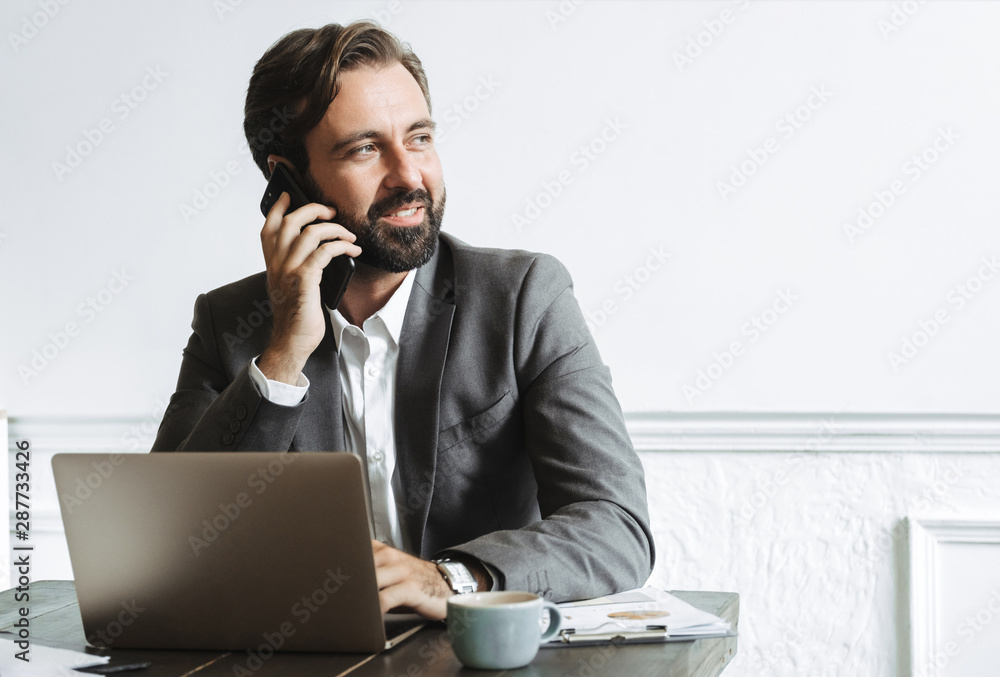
<point x="217" y="406"/>
<point x="594" y="536"/>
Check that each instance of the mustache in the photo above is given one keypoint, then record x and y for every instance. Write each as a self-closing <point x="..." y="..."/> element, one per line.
<point x="395" y="202"/>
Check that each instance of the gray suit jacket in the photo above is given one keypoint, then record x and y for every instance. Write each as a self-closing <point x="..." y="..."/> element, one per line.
<point x="510" y="442"/>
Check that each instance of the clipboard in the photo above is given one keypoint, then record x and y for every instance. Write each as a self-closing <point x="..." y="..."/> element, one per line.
<point x="652" y="635"/>
<point x="617" y="619"/>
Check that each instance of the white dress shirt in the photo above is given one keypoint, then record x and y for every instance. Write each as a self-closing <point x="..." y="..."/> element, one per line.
<point x="368" y="357"/>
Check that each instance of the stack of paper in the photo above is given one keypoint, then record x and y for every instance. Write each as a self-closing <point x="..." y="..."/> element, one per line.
<point x="642" y="615"/>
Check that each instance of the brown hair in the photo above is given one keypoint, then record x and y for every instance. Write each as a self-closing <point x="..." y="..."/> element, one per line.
<point x="294" y="82"/>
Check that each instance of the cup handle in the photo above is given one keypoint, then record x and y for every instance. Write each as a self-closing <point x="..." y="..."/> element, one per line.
<point x="555" y="621"/>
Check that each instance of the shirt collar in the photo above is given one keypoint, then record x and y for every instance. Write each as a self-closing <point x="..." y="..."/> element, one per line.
<point x="391" y="314"/>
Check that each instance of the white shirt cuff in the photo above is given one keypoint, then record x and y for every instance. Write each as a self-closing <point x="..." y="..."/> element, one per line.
<point x="276" y="391"/>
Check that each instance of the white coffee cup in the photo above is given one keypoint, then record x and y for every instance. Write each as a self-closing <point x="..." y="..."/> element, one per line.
<point x="499" y="630"/>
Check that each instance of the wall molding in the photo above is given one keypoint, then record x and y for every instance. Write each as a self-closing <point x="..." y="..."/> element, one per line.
<point x="826" y="432"/>
<point x="54" y="434"/>
<point x="926" y="537"/>
<point x="657" y="431"/>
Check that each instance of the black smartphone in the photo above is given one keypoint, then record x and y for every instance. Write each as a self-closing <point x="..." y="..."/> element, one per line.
<point x="339" y="271"/>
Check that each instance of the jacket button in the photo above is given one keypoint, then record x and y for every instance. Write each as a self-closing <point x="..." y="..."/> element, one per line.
<point x="227" y="438"/>
<point x="241" y="412"/>
<point x="234" y="426"/>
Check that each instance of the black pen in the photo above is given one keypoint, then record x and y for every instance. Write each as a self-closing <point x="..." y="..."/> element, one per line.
<point x="109" y="669"/>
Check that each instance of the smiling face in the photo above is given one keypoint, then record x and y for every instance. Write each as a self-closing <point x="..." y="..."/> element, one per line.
<point x="372" y="158"/>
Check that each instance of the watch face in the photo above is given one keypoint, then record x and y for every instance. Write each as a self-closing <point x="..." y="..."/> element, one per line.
<point x="458" y="576"/>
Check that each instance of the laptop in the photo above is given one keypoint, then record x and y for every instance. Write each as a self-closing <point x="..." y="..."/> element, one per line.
<point x="224" y="551"/>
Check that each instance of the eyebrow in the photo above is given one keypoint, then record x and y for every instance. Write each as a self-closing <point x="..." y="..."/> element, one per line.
<point x="424" y="123"/>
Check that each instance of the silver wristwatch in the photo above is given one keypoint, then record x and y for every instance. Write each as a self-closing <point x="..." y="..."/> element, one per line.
<point x="457" y="575"/>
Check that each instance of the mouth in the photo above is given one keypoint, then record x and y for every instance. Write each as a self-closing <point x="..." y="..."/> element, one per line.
<point x="408" y="215"/>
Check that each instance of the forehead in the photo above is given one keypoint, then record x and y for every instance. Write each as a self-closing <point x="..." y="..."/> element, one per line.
<point x="375" y="98"/>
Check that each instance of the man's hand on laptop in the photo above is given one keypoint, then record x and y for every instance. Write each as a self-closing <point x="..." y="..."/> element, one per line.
<point x="408" y="583"/>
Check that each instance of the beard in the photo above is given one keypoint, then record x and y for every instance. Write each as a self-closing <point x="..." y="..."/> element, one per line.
<point x="394" y="249"/>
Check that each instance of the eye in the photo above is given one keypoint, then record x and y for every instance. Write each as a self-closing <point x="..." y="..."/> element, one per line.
<point x="422" y="141"/>
<point x="364" y="151"/>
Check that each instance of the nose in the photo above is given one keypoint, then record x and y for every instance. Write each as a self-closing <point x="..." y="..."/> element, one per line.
<point x="402" y="171"/>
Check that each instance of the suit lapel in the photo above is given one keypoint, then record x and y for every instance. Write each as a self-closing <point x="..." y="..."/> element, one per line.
<point x="321" y="427"/>
<point x="423" y="347"/>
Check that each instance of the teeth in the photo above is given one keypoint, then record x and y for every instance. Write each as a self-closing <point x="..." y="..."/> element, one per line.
<point x="405" y="212"/>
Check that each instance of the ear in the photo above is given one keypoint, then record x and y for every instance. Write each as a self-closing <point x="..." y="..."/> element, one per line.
<point x="273" y="160"/>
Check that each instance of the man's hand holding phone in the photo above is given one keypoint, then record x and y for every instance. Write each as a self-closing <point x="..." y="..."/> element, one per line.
<point x="295" y="259"/>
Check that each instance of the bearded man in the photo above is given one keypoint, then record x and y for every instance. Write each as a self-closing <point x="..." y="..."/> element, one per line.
<point x="465" y="378"/>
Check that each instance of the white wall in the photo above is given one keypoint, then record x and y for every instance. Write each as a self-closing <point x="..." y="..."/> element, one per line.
<point x="518" y="89"/>
<point x="655" y="185"/>
<point x="817" y="546"/>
